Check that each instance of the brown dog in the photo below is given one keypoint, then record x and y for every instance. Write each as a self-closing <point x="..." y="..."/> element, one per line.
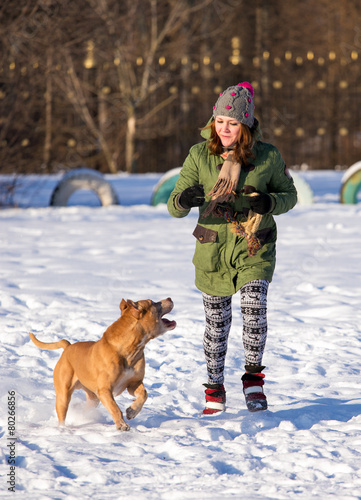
<point x="105" y="368"/>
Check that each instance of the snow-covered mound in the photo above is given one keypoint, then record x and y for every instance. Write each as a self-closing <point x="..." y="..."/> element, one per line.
<point x="63" y="273"/>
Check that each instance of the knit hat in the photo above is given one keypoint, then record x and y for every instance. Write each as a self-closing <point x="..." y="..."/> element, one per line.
<point x="236" y="102"/>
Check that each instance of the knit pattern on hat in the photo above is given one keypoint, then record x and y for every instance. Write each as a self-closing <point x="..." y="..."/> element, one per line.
<point x="237" y="102"/>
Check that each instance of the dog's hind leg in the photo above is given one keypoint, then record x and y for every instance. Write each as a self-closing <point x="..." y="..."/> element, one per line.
<point x="138" y="390"/>
<point x="64" y="384"/>
<point x="106" y="397"/>
<point x="63" y="397"/>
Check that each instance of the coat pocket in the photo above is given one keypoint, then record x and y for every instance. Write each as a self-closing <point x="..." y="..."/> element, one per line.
<point x="206" y="255"/>
<point x="265" y="235"/>
<point x="205" y="235"/>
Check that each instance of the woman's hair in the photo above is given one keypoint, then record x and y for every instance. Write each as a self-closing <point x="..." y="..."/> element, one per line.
<point x="243" y="148"/>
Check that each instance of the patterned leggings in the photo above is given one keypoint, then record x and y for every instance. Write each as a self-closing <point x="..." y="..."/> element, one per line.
<point x="218" y="312"/>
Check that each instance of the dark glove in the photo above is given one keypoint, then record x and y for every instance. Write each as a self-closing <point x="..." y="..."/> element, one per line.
<point x="192" y="197"/>
<point x="260" y="203"/>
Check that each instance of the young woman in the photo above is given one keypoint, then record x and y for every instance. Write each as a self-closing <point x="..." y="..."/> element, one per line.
<point x="239" y="183"/>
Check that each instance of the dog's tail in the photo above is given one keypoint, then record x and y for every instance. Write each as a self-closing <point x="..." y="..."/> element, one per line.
<point x="49" y="345"/>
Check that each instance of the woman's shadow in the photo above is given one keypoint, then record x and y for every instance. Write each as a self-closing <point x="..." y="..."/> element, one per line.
<point x="303" y="417"/>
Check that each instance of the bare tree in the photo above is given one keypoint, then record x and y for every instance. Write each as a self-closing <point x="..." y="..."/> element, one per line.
<point x="105" y="82"/>
<point x="140" y="36"/>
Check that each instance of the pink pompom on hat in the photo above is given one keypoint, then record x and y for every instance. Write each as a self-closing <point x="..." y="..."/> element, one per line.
<point x="237" y="102"/>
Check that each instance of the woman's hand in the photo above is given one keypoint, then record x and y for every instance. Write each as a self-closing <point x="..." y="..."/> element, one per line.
<point x="192" y="197"/>
<point x="260" y="203"/>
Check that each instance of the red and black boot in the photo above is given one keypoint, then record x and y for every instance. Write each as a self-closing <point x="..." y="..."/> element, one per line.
<point x="253" y="391"/>
<point x="215" y="399"/>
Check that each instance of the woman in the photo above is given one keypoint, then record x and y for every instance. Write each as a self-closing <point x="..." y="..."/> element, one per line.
<point x="239" y="183"/>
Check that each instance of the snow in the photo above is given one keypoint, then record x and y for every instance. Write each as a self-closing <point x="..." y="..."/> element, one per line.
<point x="351" y="170"/>
<point x="63" y="273"/>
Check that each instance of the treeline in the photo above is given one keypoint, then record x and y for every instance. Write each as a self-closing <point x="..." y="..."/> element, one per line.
<point x="125" y="85"/>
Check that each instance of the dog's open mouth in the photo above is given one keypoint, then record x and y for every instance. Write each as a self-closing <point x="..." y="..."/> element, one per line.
<point x="167" y="306"/>
<point x="169" y="325"/>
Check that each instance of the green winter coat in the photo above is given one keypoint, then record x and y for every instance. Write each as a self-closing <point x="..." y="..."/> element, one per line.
<point x="222" y="264"/>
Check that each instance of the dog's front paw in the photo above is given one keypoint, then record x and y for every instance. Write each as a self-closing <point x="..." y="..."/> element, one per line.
<point x="131" y="413"/>
<point x="123" y="427"/>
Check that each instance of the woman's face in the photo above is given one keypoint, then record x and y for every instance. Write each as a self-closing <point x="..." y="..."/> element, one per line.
<point x="227" y="129"/>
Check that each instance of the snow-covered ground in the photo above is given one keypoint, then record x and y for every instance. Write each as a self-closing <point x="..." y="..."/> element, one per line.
<point x="63" y="273"/>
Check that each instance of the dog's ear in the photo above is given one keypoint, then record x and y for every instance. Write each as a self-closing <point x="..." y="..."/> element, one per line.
<point x="131" y="306"/>
<point x="122" y="305"/>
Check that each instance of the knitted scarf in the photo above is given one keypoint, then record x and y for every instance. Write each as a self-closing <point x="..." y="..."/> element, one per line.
<point x="224" y="191"/>
<point x="225" y="188"/>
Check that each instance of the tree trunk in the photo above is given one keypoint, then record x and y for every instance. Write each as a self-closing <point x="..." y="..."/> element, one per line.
<point x="130" y="164"/>
<point x="48" y="111"/>
<point x="102" y="107"/>
<point x="261" y="47"/>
